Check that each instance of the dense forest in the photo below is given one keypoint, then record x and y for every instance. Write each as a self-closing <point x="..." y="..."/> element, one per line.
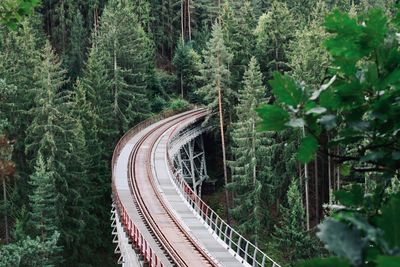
<point x="304" y="100"/>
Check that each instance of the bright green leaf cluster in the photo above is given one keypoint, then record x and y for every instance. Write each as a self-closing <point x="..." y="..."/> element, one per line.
<point x="13" y="11"/>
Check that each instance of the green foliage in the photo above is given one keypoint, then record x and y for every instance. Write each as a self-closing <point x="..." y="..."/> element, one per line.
<point x="358" y="107"/>
<point x="30" y="252"/>
<point x="178" y="105"/>
<point x="308" y="148"/>
<point x="290" y="238"/>
<point x="341" y="240"/>
<point x="127" y="72"/>
<point x="12" y="12"/>
<point x="245" y="166"/>
<point x="186" y="62"/>
<point x="274" y="118"/>
<point x="328" y="262"/>
<point x="352" y="100"/>
<point x="215" y="75"/>
<point x="76" y="49"/>
<point x="43" y="201"/>
<point x="308" y="59"/>
<point x="273" y="34"/>
<point x="388" y="222"/>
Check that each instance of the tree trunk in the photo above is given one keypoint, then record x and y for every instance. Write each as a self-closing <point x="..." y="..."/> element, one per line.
<point x="221" y="124"/>
<point x="329" y="178"/>
<point x="316" y="189"/>
<point x="5" y="210"/>
<point x="254" y="152"/>
<point x="189" y="21"/>
<point x="306" y="191"/>
<point x="182" y="24"/>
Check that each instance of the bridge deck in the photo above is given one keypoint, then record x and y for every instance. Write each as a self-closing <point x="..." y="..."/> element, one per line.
<point x="174" y="201"/>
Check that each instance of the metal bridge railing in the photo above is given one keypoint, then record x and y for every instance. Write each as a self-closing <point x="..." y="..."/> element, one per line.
<point x="240" y="247"/>
<point x="139" y="243"/>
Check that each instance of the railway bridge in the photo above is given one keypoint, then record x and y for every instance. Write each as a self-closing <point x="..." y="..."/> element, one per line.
<point x="158" y="216"/>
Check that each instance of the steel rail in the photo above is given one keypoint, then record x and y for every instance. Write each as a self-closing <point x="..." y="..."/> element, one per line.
<point x="155" y="228"/>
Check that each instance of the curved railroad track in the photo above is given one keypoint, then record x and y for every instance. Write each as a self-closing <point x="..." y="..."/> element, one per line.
<point x="181" y="247"/>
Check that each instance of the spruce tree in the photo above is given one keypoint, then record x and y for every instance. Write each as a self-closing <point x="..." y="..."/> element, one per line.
<point x="74" y="55"/>
<point x="216" y="92"/>
<point x="290" y="238"/>
<point x="43" y="201"/>
<point x="215" y="76"/>
<point x="186" y="62"/>
<point x="120" y="38"/>
<point x="246" y="186"/>
<point x="58" y="137"/>
<point x="19" y="55"/>
<point x="238" y="23"/>
<point x="31" y="252"/>
<point x="273" y="34"/>
<point x="308" y="59"/>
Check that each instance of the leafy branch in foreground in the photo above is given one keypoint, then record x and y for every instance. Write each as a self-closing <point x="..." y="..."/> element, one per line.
<point x="358" y="108"/>
<point x="13" y="11"/>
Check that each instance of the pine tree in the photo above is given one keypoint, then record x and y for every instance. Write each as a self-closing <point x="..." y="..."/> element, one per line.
<point x="246" y="185"/>
<point x="74" y="55"/>
<point x="186" y="62"/>
<point x="120" y="39"/>
<point x="43" y="201"/>
<point x="308" y="59"/>
<point x="215" y="75"/>
<point x="273" y="34"/>
<point x="216" y="92"/>
<point x="301" y="9"/>
<point x="290" y="238"/>
<point x="18" y="58"/>
<point x="59" y="138"/>
<point x="7" y="169"/>
<point x="47" y="113"/>
<point x="31" y="252"/>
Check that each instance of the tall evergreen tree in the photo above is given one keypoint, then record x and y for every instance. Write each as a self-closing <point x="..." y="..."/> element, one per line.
<point x="216" y="92"/>
<point x="246" y="186"/>
<point x="291" y="239"/>
<point x="74" y="55"/>
<point x="58" y="137"/>
<point x="120" y="38"/>
<point x="186" y="62"/>
<point x="43" y="201"/>
<point x="308" y="59"/>
<point x="273" y="34"/>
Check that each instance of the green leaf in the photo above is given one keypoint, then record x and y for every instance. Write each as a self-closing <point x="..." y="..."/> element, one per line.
<point x="345" y="170"/>
<point x="286" y="90"/>
<point x="345" y="45"/>
<point x="329" y="99"/>
<point x="352" y="198"/>
<point x="273" y="118"/>
<point x="376" y="28"/>
<point x="387" y="261"/>
<point x="389" y="221"/>
<point x="308" y="147"/>
<point x="342" y="240"/>
<point x="328" y="262"/>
